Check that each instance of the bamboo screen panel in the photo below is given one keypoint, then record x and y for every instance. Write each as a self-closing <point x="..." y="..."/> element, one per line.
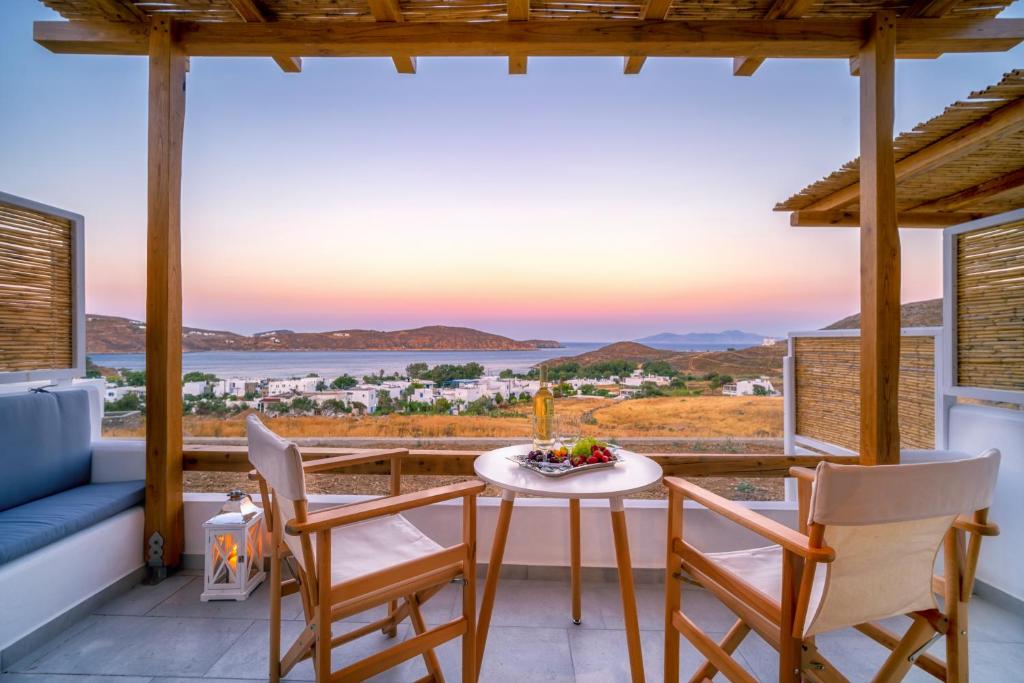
<point x="36" y="301"/>
<point x="990" y="307"/>
<point x="827" y="385"/>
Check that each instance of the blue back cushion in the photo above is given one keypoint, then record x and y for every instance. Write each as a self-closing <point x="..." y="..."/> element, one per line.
<point x="44" y="444"/>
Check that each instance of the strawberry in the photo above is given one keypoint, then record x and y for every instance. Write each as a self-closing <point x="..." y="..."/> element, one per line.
<point x="604" y="458"/>
<point x="593" y="460"/>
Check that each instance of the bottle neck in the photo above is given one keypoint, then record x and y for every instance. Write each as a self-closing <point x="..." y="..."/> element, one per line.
<point x="543" y="376"/>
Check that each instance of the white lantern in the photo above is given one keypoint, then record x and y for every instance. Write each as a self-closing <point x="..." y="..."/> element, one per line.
<point x="234" y="550"/>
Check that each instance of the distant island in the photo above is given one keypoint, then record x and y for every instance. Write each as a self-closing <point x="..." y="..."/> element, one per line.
<point x="727" y="337"/>
<point x="110" y="334"/>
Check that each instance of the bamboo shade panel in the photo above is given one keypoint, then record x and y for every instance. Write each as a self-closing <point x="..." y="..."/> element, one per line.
<point x="490" y="10"/>
<point x="990" y="307"/>
<point x="1001" y="155"/>
<point x="827" y="387"/>
<point x="36" y="301"/>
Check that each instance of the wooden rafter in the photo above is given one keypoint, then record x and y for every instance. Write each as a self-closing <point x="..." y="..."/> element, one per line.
<point x="653" y="9"/>
<point x="782" y="9"/>
<point x="1001" y="122"/>
<point x="389" y="11"/>
<point x="821" y="38"/>
<point x="248" y="10"/>
<point x="932" y="9"/>
<point x="518" y="10"/>
<point x="973" y="195"/>
<point x="119" y="10"/>
<point x="905" y="219"/>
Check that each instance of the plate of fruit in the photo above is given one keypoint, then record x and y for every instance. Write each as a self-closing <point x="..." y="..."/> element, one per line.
<point x="561" y="460"/>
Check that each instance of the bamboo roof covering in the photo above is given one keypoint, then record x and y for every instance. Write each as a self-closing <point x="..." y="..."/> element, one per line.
<point x="495" y="10"/>
<point x="969" y="159"/>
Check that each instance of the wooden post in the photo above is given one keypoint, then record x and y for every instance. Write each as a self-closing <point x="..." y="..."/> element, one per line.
<point x="164" y="509"/>
<point x="879" y="249"/>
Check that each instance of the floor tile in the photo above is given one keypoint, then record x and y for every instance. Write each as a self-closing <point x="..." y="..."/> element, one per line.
<point x="544" y="604"/>
<point x="549" y="658"/>
<point x="142" y="646"/>
<point x="56" y="678"/>
<point x="703" y="608"/>
<point x="991" y="623"/>
<point x="142" y="598"/>
<point x="603" y="656"/>
<point x="248" y="658"/>
<point x="186" y="603"/>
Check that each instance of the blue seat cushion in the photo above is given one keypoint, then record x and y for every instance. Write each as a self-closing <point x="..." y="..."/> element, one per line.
<point x="44" y="444"/>
<point x="34" y="525"/>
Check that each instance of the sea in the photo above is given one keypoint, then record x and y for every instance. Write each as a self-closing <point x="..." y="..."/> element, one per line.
<point x="282" y="364"/>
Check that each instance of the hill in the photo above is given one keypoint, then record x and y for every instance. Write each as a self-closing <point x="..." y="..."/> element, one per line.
<point x="109" y="334"/>
<point x="750" y="362"/>
<point x="914" y="314"/>
<point x="737" y="337"/>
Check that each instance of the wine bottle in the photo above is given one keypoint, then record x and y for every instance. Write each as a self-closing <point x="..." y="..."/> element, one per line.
<point x="543" y="413"/>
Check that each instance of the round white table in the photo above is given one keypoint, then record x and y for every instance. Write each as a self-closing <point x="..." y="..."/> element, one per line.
<point x="635" y="473"/>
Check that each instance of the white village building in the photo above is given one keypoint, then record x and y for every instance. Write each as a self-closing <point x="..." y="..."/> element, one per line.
<point x="745" y="387"/>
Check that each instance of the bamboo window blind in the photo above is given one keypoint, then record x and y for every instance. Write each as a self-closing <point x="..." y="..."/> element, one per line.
<point x="827" y="371"/>
<point x="990" y="307"/>
<point x="36" y="290"/>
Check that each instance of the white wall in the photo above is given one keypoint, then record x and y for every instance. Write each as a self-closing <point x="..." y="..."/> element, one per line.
<point x="539" y="533"/>
<point x="973" y="429"/>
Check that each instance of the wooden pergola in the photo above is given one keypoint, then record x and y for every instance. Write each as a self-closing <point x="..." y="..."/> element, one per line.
<point x="871" y="34"/>
<point x="964" y="164"/>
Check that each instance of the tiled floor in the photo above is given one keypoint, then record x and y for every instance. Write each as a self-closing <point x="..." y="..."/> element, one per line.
<point x="165" y="634"/>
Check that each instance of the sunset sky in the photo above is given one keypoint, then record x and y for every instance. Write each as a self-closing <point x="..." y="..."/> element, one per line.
<point x="572" y="203"/>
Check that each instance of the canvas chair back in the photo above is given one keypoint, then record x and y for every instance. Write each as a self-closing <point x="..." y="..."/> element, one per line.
<point x="280" y="464"/>
<point x="886" y="523"/>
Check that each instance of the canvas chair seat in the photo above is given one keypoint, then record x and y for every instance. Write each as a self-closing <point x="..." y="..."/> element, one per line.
<point x="365" y="547"/>
<point x="761" y="568"/>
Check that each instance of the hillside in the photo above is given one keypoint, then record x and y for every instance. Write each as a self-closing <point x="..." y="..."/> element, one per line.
<point x="750" y="362"/>
<point x="109" y="334"/>
<point x="914" y="314"/>
<point x="737" y="337"/>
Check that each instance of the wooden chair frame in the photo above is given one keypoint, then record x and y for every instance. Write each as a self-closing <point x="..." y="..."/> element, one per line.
<point x="403" y="587"/>
<point x="781" y="622"/>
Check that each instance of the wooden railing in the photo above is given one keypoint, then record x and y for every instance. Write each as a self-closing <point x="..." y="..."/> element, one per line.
<point x="205" y="458"/>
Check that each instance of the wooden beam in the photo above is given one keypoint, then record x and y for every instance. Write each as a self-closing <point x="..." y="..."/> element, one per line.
<point x="164" y="507"/>
<point x="781" y="9"/>
<point x="389" y="11"/>
<point x="789" y="38"/>
<point x="518" y="10"/>
<point x="209" y="458"/>
<point x="879" y="249"/>
<point x="906" y="219"/>
<point x="653" y="9"/>
<point x="1003" y="121"/>
<point x="248" y="10"/>
<point x="972" y="195"/>
<point x="119" y="10"/>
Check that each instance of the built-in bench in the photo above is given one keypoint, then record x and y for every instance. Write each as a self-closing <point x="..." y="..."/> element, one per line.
<point x="71" y="513"/>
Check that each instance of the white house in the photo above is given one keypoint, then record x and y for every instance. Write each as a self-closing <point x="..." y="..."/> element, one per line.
<point x="302" y="385"/>
<point x="194" y="388"/>
<point x="238" y="386"/>
<point x="638" y="379"/>
<point x="745" y="387"/>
